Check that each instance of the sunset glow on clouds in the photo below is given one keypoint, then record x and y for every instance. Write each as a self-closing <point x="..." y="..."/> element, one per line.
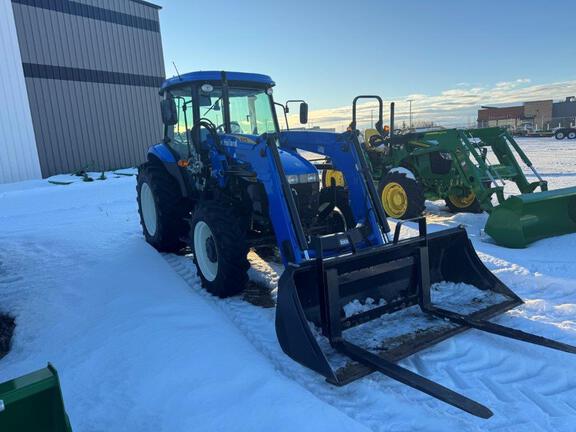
<point x="453" y="107"/>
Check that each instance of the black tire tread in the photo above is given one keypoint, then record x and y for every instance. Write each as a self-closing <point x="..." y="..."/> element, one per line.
<point x="171" y="208"/>
<point x="230" y="238"/>
<point x="474" y="207"/>
<point x="414" y="190"/>
<point x="341" y="202"/>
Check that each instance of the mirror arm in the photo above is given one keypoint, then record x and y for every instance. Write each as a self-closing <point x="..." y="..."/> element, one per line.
<point x="284" y="110"/>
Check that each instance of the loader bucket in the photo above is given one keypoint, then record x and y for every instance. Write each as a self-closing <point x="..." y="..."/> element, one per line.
<point x="400" y="282"/>
<point x="523" y="219"/>
<point x="391" y="275"/>
<point x="33" y="403"/>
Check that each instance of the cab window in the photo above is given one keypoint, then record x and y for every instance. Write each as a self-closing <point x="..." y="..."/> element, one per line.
<point x="250" y="112"/>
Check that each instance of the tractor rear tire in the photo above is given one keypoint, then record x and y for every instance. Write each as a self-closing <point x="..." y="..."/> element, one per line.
<point x="342" y="207"/>
<point x="218" y="240"/>
<point x="402" y="197"/>
<point x="466" y="205"/>
<point x="560" y="135"/>
<point x="161" y="207"/>
<point x="571" y="134"/>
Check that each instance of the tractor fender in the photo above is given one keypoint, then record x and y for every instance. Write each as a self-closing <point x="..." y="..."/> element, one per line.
<point x="163" y="154"/>
<point x="404" y="171"/>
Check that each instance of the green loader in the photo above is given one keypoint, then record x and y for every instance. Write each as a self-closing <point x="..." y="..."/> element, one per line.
<point x="33" y="403"/>
<point x="467" y="168"/>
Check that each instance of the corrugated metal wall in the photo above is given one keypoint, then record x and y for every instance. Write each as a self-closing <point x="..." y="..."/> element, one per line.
<point x="92" y="70"/>
<point x="18" y="155"/>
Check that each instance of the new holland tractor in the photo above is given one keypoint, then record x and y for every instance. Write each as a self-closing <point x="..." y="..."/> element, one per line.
<point x="225" y="179"/>
<point x="466" y="169"/>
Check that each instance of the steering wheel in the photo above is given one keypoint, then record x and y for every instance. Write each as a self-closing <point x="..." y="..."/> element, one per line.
<point x="235" y="128"/>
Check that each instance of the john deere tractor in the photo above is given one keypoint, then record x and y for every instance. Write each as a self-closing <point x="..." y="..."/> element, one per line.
<point x="466" y="169"/>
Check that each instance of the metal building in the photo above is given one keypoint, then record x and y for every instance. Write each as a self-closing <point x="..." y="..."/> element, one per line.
<point x="79" y="82"/>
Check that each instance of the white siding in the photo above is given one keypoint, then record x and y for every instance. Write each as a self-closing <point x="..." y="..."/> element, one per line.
<point x="18" y="152"/>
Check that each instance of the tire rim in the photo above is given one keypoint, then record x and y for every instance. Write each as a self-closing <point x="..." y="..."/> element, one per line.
<point x="394" y="200"/>
<point x="572" y="135"/>
<point x="560" y="135"/>
<point x="205" y="251"/>
<point x="148" y="207"/>
<point x="462" y="201"/>
<point x="333" y="175"/>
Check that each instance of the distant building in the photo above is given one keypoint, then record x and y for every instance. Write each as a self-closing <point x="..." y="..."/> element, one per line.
<point x="508" y="117"/>
<point x="79" y="83"/>
<point x="535" y="115"/>
<point x="564" y="112"/>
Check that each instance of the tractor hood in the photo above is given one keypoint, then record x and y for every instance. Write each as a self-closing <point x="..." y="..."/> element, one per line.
<point x="292" y="162"/>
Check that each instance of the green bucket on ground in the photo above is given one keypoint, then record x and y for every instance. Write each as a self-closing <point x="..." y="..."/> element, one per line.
<point x="33" y="403"/>
<point x="523" y="219"/>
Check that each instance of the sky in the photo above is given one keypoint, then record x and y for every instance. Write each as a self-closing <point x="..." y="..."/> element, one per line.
<point x="449" y="56"/>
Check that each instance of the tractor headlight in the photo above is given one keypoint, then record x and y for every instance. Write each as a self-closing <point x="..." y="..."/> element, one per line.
<point x="309" y="178"/>
<point x="292" y="179"/>
<point x="302" y="178"/>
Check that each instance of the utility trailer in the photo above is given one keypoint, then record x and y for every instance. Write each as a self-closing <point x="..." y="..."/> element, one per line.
<point x="567" y="132"/>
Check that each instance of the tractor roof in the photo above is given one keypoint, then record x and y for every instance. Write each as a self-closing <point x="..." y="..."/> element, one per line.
<point x="203" y="76"/>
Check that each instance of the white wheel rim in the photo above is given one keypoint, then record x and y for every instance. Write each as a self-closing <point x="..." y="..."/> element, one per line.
<point x="560" y="135"/>
<point x="202" y="234"/>
<point x="148" y="207"/>
<point x="572" y="135"/>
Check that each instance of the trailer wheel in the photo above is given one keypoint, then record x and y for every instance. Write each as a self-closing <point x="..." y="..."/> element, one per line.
<point x="341" y="217"/>
<point x="463" y="204"/>
<point x="402" y="197"/>
<point x="560" y="135"/>
<point x="161" y="207"/>
<point x="332" y="178"/>
<point x="571" y="134"/>
<point x="218" y="242"/>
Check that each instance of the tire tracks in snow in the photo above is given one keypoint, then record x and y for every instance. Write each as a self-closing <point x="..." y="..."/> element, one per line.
<point x="377" y="402"/>
<point x="528" y="390"/>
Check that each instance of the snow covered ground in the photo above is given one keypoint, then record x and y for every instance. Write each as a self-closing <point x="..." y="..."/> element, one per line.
<point x="141" y="347"/>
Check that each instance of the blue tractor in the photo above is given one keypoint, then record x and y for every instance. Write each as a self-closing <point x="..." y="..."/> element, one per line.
<point x="226" y="179"/>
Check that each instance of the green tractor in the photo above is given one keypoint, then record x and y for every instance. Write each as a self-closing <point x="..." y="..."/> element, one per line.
<point x="466" y="168"/>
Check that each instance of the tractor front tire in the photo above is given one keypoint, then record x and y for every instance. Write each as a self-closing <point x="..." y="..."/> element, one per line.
<point x="466" y="204"/>
<point x="402" y="197"/>
<point x="218" y="241"/>
<point x="342" y="216"/>
<point x="161" y="207"/>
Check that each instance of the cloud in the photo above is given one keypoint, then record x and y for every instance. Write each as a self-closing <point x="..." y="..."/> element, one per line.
<point x="452" y="107"/>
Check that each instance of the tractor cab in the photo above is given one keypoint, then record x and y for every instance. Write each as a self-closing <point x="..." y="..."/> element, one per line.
<point x="199" y="104"/>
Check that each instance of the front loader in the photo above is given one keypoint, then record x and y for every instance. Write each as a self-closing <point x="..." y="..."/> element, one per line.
<point x="467" y="168"/>
<point x="225" y="180"/>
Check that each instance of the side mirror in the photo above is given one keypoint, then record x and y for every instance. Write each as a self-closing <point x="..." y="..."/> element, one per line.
<point x="303" y="113"/>
<point x="169" y="112"/>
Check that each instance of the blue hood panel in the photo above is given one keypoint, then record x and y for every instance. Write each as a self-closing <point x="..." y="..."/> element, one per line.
<point x="294" y="163"/>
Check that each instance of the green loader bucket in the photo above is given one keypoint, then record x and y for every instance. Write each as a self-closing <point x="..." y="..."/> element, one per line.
<point x="523" y="219"/>
<point x="33" y="403"/>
